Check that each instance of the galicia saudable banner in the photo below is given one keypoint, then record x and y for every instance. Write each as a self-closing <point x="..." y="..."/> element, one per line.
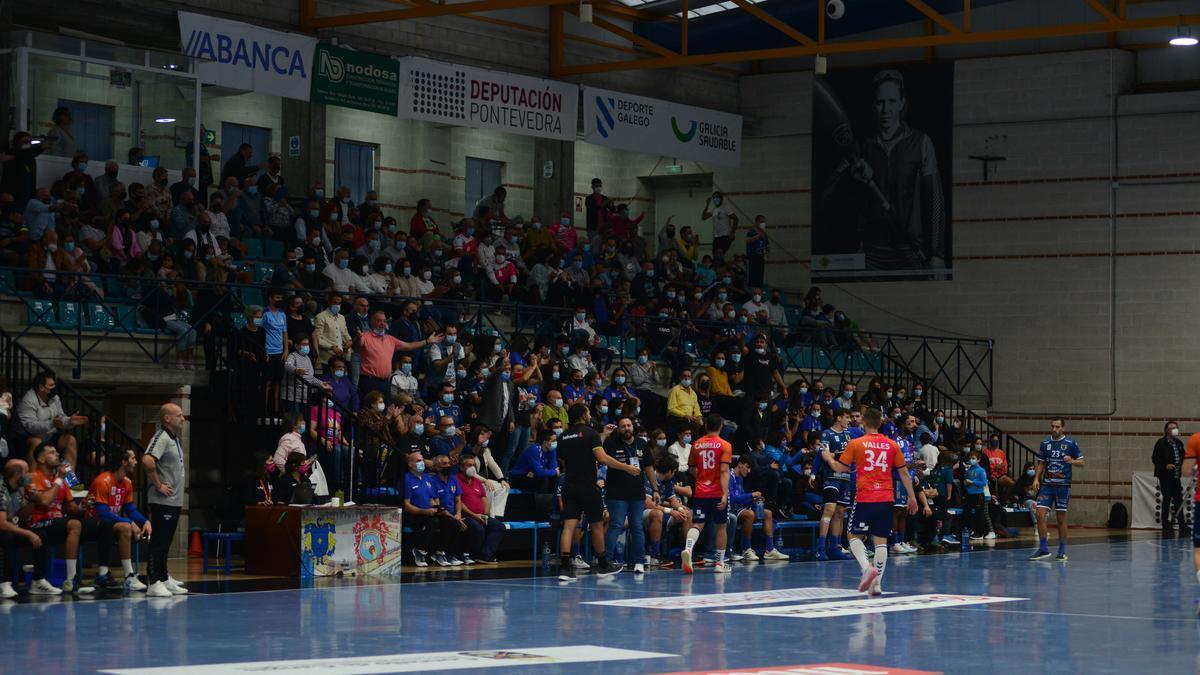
<point x="463" y="96"/>
<point x="658" y="127"/>
<point x="241" y="56"/>
<point x="881" y="169"/>
<point x="354" y="79"/>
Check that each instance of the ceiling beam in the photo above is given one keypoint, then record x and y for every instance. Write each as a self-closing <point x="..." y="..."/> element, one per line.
<point x="1103" y="11"/>
<point x="913" y="42"/>
<point x="775" y="23"/>
<point x="619" y="31"/>
<point x="428" y="11"/>
<point x="933" y="15"/>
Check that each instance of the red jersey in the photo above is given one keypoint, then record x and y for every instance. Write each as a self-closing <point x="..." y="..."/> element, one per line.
<point x="997" y="462"/>
<point x="708" y="455"/>
<point x="41" y="482"/>
<point x="874" y="457"/>
<point x="1193" y="452"/>
<point x="106" y="490"/>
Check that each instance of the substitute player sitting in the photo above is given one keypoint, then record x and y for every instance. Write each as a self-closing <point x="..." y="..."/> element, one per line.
<point x="664" y="508"/>
<point x="743" y="505"/>
<point x="112" y="515"/>
<point x="874" y="455"/>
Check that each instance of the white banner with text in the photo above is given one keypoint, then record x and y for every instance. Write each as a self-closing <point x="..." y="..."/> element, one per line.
<point x="241" y="56"/>
<point x="658" y="127"/>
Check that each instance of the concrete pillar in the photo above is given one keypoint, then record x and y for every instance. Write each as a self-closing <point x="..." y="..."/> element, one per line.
<point x="8" y="79"/>
<point x="556" y="193"/>
<point x="306" y="121"/>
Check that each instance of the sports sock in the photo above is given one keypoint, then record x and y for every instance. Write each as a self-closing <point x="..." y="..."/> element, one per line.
<point x="692" y="536"/>
<point x="1062" y="546"/>
<point x="770" y="543"/>
<point x="655" y="548"/>
<point x="860" y="553"/>
<point x="880" y="561"/>
<point x="101" y="570"/>
<point x="821" y="544"/>
<point x="1043" y="545"/>
<point x="825" y="525"/>
<point x="574" y="550"/>
<point x="720" y="556"/>
<point x="71" y="568"/>
<point x="127" y="566"/>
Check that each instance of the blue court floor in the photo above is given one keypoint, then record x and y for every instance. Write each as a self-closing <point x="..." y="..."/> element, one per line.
<point x="1123" y="606"/>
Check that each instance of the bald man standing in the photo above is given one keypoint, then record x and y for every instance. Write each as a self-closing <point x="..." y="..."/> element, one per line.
<point x="163" y="463"/>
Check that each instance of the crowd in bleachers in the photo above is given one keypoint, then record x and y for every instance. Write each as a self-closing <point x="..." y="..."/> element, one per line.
<point x="358" y="328"/>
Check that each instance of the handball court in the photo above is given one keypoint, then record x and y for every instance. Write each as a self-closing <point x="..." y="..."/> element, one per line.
<point x="1123" y="603"/>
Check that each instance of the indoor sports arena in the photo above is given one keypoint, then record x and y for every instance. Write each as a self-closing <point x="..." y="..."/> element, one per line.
<point x="664" y="337"/>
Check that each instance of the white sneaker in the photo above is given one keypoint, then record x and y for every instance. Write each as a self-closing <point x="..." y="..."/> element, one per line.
<point x="722" y="568"/>
<point x="990" y="535"/>
<point x="174" y="587"/>
<point x="158" y="589"/>
<point x="132" y="583"/>
<point x="172" y="580"/>
<point x="749" y="555"/>
<point x="775" y="554"/>
<point x="908" y="548"/>
<point x="735" y="557"/>
<point x="976" y="537"/>
<point x="69" y="587"/>
<point x="876" y="587"/>
<point x="898" y="549"/>
<point x="6" y="590"/>
<point x="639" y="569"/>
<point x="580" y="563"/>
<point x="43" y="587"/>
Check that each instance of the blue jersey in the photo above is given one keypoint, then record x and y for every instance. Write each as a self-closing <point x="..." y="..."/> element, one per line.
<point x="1052" y="452"/>
<point x="448" y="491"/>
<point x="837" y="441"/>
<point x="440" y="410"/>
<point x="420" y="490"/>
<point x="856" y="432"/>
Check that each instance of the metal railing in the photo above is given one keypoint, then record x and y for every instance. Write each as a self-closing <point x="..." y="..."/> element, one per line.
<point x="20" y="367"/>
<point x="962" y="366"/>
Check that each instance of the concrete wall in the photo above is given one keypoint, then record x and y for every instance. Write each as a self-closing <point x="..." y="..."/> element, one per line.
<point x="1033" y="265"/>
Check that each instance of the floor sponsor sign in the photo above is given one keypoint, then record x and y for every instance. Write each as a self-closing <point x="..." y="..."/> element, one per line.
<point x="409" y="663"/>
<point x="909" y="603"/>
<point x="813" y="669"/>
<point x="729" y="599"/>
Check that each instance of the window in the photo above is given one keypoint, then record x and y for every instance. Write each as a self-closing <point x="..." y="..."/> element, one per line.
<point x="483" y="177"/>
<point x="93" y="127"/>
<point x="354" y="167"/>
<point x="232" y="137"/>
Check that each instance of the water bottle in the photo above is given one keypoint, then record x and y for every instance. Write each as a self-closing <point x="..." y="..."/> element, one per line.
<point x="966" y="540"/>
<point x="758" y="509"/>
<point x="546" y="558"/>
<point x="341" y="498"/>
<point x="69" y="475"/>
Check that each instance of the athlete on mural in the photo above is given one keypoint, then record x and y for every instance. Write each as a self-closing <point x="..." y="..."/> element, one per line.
<point x="875" y="456"/>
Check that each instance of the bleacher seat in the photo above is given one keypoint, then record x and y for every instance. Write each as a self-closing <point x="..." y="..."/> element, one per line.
<point x="99" y="317"/>
<point x="8" y="282"/>
<point x="263" y="273"/>
<point x="251" y="296"/>
<point x="272" y="250"/>
<point x="239" y="320"/>
<point x="68" y="315"/>
<point x="40" y="313"/>
<point x="254" y="248"/>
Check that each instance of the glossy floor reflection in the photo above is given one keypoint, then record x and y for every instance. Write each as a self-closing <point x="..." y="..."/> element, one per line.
<point x="1117" y="606"/>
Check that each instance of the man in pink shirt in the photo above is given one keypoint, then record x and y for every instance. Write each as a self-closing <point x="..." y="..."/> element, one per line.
<point x="483" y="532"/>
<point x="377" y="353"/>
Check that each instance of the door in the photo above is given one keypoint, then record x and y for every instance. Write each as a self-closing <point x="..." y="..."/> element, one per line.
<point x="483" y="177"/>
<point x="354" y="167"/>
<point x="234" y="135"/>
<point x="683" y="197"/>
<point x="93" y="127"/>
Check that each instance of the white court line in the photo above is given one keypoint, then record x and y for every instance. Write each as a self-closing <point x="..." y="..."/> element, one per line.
<point x="1190" y="620"/>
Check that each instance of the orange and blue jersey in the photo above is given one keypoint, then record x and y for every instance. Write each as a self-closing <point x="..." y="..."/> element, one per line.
<point x="874" y="456"/>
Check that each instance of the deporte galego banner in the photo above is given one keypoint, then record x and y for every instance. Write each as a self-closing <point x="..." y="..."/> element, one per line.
<point x="242" y="56"/>
<point x="448" y="93"/>
<point x="658" y="127"/>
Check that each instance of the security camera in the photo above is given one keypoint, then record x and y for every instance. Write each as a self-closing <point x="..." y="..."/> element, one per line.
<point x="835" y="9"/>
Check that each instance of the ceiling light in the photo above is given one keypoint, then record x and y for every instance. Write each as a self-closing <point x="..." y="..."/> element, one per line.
<point x="165" y="120"/>
<point x="585" y="11"/>
<point x="1183" y="38"/>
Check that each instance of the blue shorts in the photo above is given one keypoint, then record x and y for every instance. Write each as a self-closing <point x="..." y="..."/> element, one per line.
<point x="705" y="510"/>
<point x="871" y="518"/>
<point x="836" y="491"/>
<point x="1054" y="496"/>
<point x="900" y="495"/>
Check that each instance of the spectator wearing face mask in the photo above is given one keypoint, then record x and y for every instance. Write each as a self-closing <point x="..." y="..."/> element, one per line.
<point x="341" y="390"/>
<point x="483" y="534"/>
<point x="1023" y="493"/>
<point x="1168" y="461"/>
<point x="681" y="449"/>
<point x="300" y="376"/>
<point x="723" y="230"/>
<point x="997" y="468"/>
